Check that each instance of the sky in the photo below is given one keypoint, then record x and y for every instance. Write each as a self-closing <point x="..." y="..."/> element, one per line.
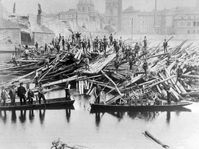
<point x="53" y="6"/>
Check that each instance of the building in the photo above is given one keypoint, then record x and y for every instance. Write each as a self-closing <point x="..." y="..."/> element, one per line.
<point x="84" y="17"/>
<point x="40" y="33"/>
<point x="164" y="22"/>
<point x="186" y="21"/>
<point x="24" y="24"/>
<point x="10" y="35"/>
<point x="113" y="13"/>
<point x="137" y="22"/>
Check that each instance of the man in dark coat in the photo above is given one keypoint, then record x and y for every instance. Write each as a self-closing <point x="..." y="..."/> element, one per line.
<point x="165" y="44"/>
<point x="21" y="91"/>
<point x="111" y="39"/>
<point x="105" y="45"/>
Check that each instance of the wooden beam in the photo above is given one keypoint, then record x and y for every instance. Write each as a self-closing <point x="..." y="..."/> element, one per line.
<point x="111" y="82"/>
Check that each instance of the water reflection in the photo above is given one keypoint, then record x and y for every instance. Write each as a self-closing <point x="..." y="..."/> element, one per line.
<point x="3" y="116"/>
<point x="68" y="115"/>
<point x="22" y="117"/>
<point x="98" y="118"/>
<point x="42" y="115"/>
<point x="31" y="115"/>
<point x="6" y="116"/>
<point x="168" y="117"/>
<point x="13" y="116"/>
<point x="144" y="115"/>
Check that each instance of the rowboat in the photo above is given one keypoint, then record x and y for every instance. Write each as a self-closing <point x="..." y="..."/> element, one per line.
<point x="56" y="103"/>
<point x="165" y="107"/>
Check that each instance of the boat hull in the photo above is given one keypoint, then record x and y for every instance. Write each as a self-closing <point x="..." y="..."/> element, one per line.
<point x="171" y="107"/>
<point x="58" y="103"/>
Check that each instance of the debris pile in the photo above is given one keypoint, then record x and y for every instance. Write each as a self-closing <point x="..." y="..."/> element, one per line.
<point x="145" y="74"/>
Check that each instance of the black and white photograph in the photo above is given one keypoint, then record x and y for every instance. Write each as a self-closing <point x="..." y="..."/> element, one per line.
<point x="99" y="74"/>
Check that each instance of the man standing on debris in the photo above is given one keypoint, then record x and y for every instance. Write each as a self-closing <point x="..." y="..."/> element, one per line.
<point x="97" y="94"/>
<point x="179" y="73"/>
<point x="26" y="52"/>
<point x="87" y="62"/>
<point x="68" y="44"/>
<point x="136" y="49"/>
<point x="95" y="43"/>
<point x="21" y="91"/>
<point x="165" y="44"/>
<point x="111" y="39"/>
<point x="88" y="45"/>
<point x="4" y="95"/>
<point x="168" y="88"/>
<point x="41" y="94"/>
<point x="78" y="36"/>
<point x="105" y="45"/>
<point x="12" y="94"/>
<point x="145" y="67"/>
<point x="120" y="42"/>
<point x="36" y="46"/>
<point x="30" y="94"/>
<point x="83" y="43"/>
<point x="145" y="43"/>
<point x="116" y="63"/>
<point x="115" y="45"/>
<point x="67" y="90"/>
<point x="73" y="38"/>
<point x="63" y="43"/>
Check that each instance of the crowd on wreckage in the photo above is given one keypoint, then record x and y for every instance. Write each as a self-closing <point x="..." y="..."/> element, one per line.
<point x="131" y="54"/>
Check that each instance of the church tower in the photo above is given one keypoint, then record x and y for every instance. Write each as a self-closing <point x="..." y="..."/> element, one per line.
<point x="113" y="13"/>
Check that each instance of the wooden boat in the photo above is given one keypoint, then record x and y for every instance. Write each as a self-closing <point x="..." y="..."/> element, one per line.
<point x="165" y="107"/>
<point x="56" y="103"/>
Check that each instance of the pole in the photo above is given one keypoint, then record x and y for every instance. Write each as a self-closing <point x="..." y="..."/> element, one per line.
<point x="132" y="29"/>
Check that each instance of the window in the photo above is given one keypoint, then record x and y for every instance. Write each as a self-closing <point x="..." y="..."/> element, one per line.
<point x="197" y="23"/>
<point x="194" y="23"/>
<point x="188" y="32"/>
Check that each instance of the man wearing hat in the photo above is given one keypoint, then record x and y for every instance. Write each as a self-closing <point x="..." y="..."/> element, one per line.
<point x="12" y="94"/>
<point x="21" y="91"/>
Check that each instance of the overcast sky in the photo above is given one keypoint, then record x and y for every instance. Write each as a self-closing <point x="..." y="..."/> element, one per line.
<point x="52" y="6"/>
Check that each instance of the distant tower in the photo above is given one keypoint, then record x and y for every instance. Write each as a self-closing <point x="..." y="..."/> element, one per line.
<point x="39" y="14"/>
<point x="113" y="13"/>
<point x="14" y="8"/>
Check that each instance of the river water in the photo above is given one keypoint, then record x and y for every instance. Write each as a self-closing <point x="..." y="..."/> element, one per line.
<point x="37" y="129"/>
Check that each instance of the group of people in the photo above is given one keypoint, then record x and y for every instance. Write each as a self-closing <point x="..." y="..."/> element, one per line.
<point x="24" y="94"/>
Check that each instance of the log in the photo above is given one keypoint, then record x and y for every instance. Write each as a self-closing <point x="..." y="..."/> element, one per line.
<point x="52" y="67"/>
<point x="162" y="81"/>
<point x="190" y="76"/>
<point x="61" y="81"/>
<point x="101" y="84"/>
<point x="117" y="89"/>
<point x="146" y="133"/>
